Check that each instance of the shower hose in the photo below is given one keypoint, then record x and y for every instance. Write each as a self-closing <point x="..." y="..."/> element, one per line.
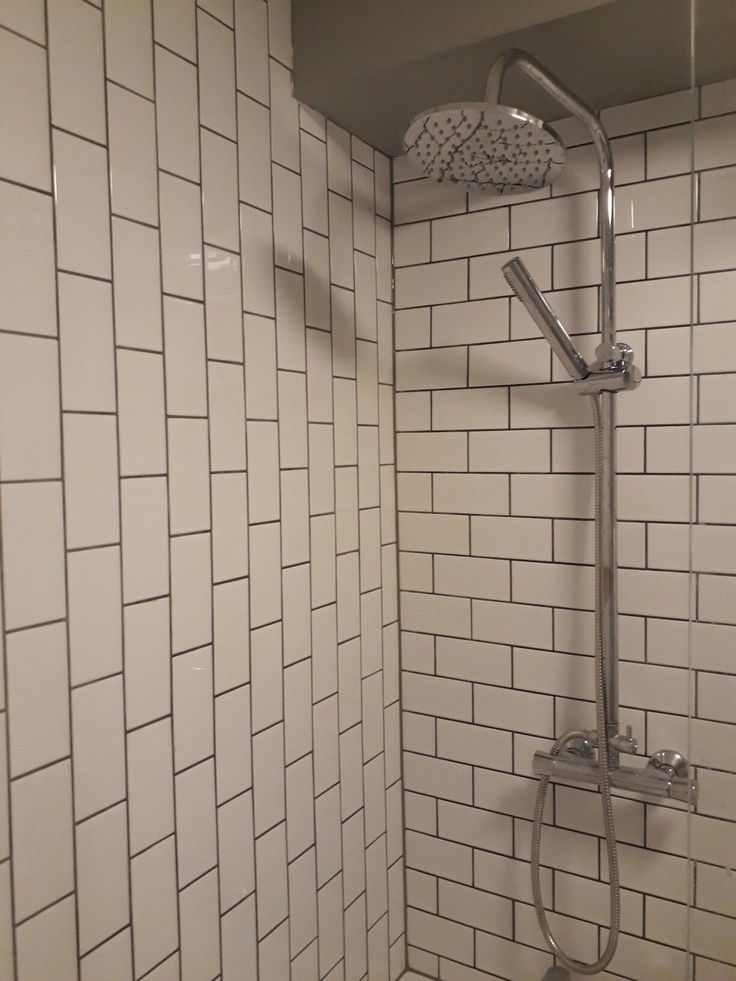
<point x="580" y="967"/>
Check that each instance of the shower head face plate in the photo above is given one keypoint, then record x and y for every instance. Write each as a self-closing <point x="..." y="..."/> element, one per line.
<point x="483" y="147"/>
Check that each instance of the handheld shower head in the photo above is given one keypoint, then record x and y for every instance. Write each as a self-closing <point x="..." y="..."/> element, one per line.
<point x="521" y="282"/>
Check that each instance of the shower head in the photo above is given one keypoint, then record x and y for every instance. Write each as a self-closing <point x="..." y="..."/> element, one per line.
<point x="485" y="147"/>
<point x="521" y="282"/>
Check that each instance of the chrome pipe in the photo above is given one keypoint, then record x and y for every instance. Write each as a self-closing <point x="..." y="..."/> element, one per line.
<point x="553" y="86"/>
<point x="520" y="280"/>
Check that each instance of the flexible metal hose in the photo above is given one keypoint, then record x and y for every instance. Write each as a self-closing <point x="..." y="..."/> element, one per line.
<point x="604" y="960"/>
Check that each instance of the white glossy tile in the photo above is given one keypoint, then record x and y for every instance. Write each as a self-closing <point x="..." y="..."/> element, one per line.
<point x="177" y="115"/>
<point x="154" y="904"/>
<point x="141" y="413"/>
<point x="27" y="274"/>
<point x="196" y="830"/>
<point x="150" y="784"/>
<point x="268" y="778"/>
<point x="147" y="653"/>
<point x="186" y="365"/>
<point x="29" y="408"/>
<point x="260" y="367"/>
<point x="193" y="707"/>
<point x="191" y="592"/>
<point x="231" y="615"/>
<point x="314" y="182"/>
<point x="98" y="738"/>
<point x="26" y="17"/>
<point x="216" y="75"/>
<point x="181" y="237"/>
<point x="24" y="123"/>
<point x="237" y="850"/>
<point x="341" y="241"/>
<point x="76" y="68"/>
<point x="227" y="416"/>
<point x="47" y="944"/>
<point x="95" y="620"/>
<point x="86" y="336"/>
<point x="43" y="847"/>
<point x="284" y="118"/>
<point x="233" y="743"/>
<point x="91" y="503"/>
<point x="254" y="152"/>
<point x="133" y="179"/>
<point x="189" y="475"/>
<point x="33" y="555"/>
<point x="256" y="233"/>
<point x="136" y="285"/>
<point x="272" y="907"/>
<point x="102" y="876"/>
<point x="82" y="206"/>
<point x="129" y="44"/>
<point x="174" y="26"/>
<point x="38" y="690"/>
<point x="113" y="958"/>
<point x="220" y="191"/>
<point x="229" y="526"/>
<point x="223" y="305"/>
<point x="266" y="677"/>
<point x="287" y="228"/>
<point x="145" y="538"/>
<point x="251" y="49"/>
<point x="199" y="923"/>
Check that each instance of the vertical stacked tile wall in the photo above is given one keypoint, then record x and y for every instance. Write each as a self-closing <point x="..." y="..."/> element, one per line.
<point x="495" y="532"/>
<point x="200" y="717"/>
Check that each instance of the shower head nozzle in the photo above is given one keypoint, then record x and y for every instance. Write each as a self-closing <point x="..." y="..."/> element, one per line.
<point x="485" y="147"/>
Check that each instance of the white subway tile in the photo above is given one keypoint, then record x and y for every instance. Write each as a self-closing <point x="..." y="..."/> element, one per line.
<point x="181" y="237"/>
<point x="95" y="635"/>
<point x="76" y="69"/>
<point x="82" y="206"/>
<point x="37" y="688"/>
<point x="144" y="538"/>
<point x="33" y="553"/>
<point x="216" y="75"/>
<point x="418" y="200"/>
<point x="657" y="303"/>
<point x="219" y="190"/>
<point x="128" y="42"/>
<point x="233" y="745"/>
<point x="90" y="480"/>
<point x="265" y="580"/>
<point x="24" y="123"/>
<point x="25" y="18"/>
<point x="512" y="623"/>
<point x="193" y="707"/>
<point x="718" y="193"/>
<point x="133" y="183"/>
<point x="141" y="409"/>
<point x="411" y="244"/>
<point x="227" y="416"/>
<point x="86" y="334"/>
<point x="552" y="495"/>
<point x="433" y="451"/>
<point x="177" y="117"/>
<point x="154" y="905"/>
<point x="200" y="928"/>
<point x="30" y="437"/>
<point x="147" y="681"/>
<point x="174" y="26"/>
<point x="482" y="232"/>
<point x="550" y="221"/>
<point x="102" y="876"/>
<point x="469" y="493"/>
<point x="196" y="835"/>
<point x="432" y="283"/>
<point x="98" y="738"/>
<point x="137" y="285"/>
<point x="717" y="292"/>
<point x="661" y="110"/>
<point x="235" y="839"/>
<point x="27" y="265"/>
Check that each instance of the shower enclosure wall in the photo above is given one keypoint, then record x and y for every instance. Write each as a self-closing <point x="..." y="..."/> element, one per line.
<point x="199" y="735"/>
<point x="495" y="498"/>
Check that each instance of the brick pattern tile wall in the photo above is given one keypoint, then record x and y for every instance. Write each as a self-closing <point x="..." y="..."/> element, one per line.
<point x="495" y="507"/>
<point x="200" y="717"/>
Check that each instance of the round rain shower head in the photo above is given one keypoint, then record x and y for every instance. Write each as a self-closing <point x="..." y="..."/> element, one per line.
<point x="485" y="147"/>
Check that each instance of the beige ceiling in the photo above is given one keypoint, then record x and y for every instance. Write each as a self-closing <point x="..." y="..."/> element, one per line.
<point x="371" y="65"/>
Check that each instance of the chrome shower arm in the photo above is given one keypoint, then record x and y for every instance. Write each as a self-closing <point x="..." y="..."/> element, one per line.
<point x="549" y="83"/>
